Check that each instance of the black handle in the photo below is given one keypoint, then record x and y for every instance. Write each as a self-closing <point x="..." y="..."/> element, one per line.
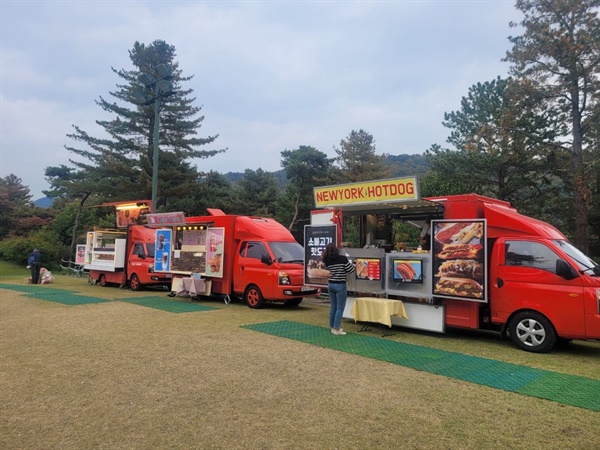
<point x="500" y="282"/>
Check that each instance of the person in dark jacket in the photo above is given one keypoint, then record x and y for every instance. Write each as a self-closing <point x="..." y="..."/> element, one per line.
<point x="35" y="261"/>
<point x="339" y="267"/>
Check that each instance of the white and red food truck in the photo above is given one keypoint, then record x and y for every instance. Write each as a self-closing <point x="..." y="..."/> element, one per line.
<point x="488" y="266"/>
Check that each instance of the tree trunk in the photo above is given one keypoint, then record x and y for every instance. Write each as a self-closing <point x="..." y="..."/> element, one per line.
<point x="76" y="226"/>
<point x="581" y="194"/>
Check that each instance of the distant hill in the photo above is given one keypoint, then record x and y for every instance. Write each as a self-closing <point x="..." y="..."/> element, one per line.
<point x="403" y="166"/>
<point x="44" y="202"/>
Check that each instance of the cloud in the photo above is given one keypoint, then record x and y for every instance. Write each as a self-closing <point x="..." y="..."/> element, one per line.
<point x="269" y="76"/>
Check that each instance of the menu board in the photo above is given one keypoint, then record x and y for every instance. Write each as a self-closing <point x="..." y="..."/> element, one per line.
<point x="214" y="252"/>
<point x="316" y="239"/>
<point x="162" y="253"/>
<point x="368" y="269"/>
<point x="459" y="255"/>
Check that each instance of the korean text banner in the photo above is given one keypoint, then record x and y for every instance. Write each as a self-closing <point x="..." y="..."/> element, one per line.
<point x="316" y="239"/>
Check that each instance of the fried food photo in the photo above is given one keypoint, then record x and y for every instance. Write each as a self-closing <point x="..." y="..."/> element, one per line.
<point x="461" y="268"/>
<point x="462" y="287"/>
<point x="316" y="269"/>
<point x="460" y="251"/>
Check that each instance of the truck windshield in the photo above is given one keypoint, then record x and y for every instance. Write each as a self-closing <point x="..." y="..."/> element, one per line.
<point x="150" y="248"/>
<point x="287" y="252"/>
<point x="584" y="263"/>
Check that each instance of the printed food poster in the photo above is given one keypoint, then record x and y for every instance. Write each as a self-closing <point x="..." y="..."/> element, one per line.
<point x="162" y="252"/>
<point x="459" y="256"/>
<point x="80" y="256"/>
<point x="368" y="269"/>
<point x="316" y="239"/>
<point x="214" y="252"/>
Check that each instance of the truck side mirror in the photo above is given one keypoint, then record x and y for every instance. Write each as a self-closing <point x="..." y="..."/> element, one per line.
<point x="266" y="259"/>
<point x="564" y="270"/>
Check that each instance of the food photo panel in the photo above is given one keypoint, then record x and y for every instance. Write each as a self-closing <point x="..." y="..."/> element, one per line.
<point x="459" y="255"/>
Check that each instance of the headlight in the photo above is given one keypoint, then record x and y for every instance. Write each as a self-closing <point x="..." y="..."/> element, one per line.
<point x="598" y="300"/>
<point x="284" y="278"/>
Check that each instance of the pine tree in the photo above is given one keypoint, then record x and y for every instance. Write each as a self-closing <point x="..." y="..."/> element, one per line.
<point x="120" y="166"/>
<point x="558" y="54"/>
<point x="356" y="160"/>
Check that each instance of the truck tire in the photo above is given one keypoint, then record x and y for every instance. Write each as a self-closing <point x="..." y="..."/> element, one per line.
<point x="532" y="332"/>
<point x="253" y="297"/>
<point x="102" y="280"/>
<point x="294" y="302"/>
<point x="134" y="283"/>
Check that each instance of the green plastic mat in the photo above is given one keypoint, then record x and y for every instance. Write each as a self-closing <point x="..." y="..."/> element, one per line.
<point x="34" y="288"/>
<point x="174" y="306"/>
<point x="67" y="298"/>
<point x="562" y="388"/>
<point x="48" y="293"/>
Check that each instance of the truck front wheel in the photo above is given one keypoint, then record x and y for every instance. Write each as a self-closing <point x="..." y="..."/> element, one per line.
<point x="532" y="332"/>
<point x="254" y="297"/>
<point x="134" y="283"/>
<point x="294" y="302"/>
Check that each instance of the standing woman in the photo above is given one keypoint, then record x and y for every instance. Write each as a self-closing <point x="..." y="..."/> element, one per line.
<point x="339" y="267"/>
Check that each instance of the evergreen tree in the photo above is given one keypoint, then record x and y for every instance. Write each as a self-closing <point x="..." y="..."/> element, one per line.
<point x="18" y="215"/>
<point x="356" y="160"/>
<point x="214" y="190"/>
<point x="501" y="141"/>
<point x="120" y="166"/>
<point x="303" y="167"/>
<point x="558" y="57"/>
<point x="257" y="192"/>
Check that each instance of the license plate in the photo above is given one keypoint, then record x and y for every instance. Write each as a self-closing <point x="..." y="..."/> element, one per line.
<point x="168" y="275"/>
<point x="307" y="288"/>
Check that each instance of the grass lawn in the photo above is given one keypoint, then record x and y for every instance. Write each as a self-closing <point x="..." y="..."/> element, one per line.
<point x="118" y="374"/>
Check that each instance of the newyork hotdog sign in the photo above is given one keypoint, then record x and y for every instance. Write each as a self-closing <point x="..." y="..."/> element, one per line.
<point x="369" y="192"/>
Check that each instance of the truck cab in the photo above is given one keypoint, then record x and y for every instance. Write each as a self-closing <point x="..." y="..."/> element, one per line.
<point x="542" y="290"/>
<point x="261" y="260"/>
<point x="140" y="259"/>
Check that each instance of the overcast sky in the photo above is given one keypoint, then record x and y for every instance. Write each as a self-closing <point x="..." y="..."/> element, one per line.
<point x="269" y="75"/>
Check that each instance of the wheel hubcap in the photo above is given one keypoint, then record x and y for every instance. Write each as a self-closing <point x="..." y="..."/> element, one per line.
<point x="531" y="332"/>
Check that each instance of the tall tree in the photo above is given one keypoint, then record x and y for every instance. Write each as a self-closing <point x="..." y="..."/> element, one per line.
<point x="214" y="190"/>
<point x="558" y="55"/>
<point x="120" y="166"/>
<point x="18" y="215"/>
<point x="257" y="192"/>
<point x="501" y="140"/>
<point x="303" y="168"/>
<point x="356" y="160"/>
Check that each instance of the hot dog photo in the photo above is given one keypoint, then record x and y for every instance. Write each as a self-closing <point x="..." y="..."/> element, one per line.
<point x="408" y="271"/>
<point x="459" y="259"/>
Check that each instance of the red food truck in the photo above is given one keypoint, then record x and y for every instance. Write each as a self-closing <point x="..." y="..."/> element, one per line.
<point x="486" y="267"/>
<point x="255" y="258"/>
<point x="123" y="257"/>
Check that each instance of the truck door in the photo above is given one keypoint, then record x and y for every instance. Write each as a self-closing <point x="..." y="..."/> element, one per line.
<point x="137" y="262"/>
<point x="251" y="270"/>
<point x="523" y="276"/>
